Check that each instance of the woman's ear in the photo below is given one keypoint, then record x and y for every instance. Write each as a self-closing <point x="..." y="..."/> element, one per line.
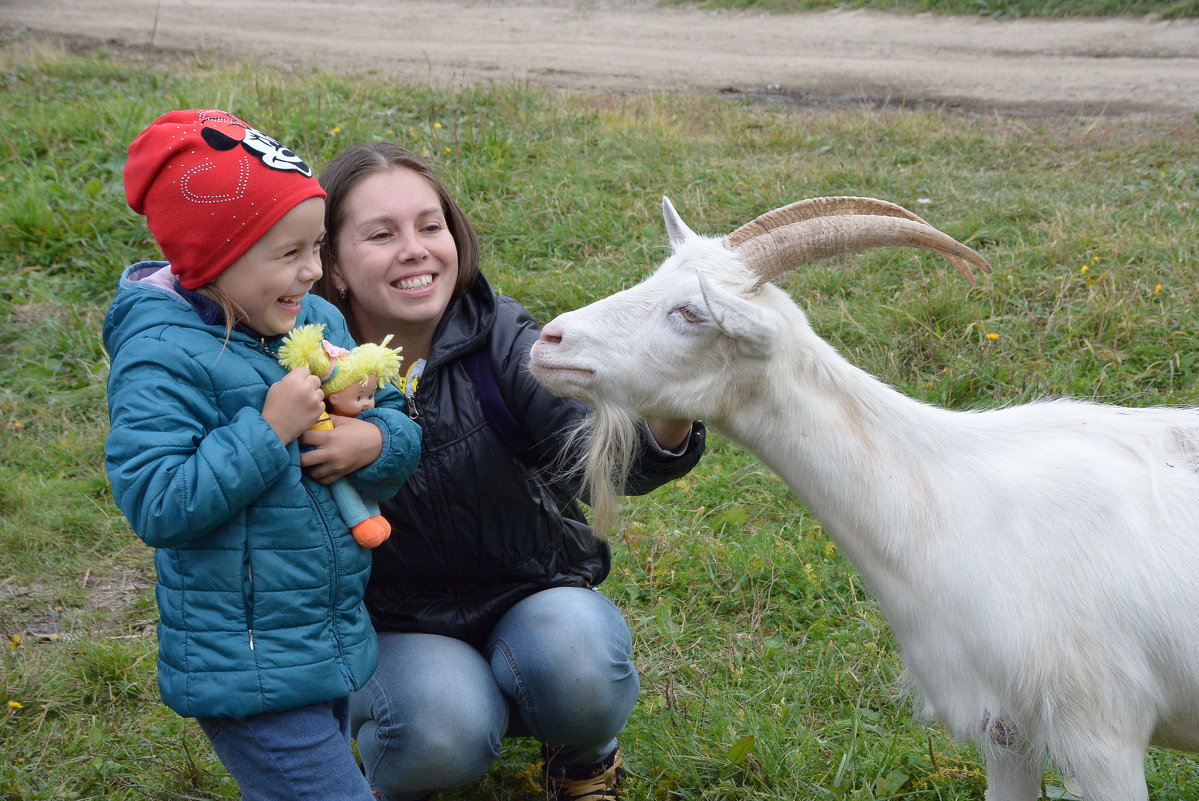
<point x="338" y="280"/>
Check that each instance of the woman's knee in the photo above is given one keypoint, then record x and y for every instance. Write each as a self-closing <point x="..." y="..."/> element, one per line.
<point x="565" y="655"/>
<point x="418" y="756"/>
<point x="431" y="717"/>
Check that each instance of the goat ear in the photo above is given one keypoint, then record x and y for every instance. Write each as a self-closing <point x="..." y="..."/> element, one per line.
<point x="739" y="319"/>
<point x="676" y="229"/>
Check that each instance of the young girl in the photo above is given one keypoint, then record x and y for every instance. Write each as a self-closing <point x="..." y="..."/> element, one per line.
<point x="489" y="618"/>
<point x="262" y="631"/>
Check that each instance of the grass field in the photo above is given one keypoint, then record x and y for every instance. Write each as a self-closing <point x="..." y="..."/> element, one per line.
<point x="767" y="670"/>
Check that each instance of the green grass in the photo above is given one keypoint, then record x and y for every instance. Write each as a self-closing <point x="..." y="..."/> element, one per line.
<point x="767" y="670"/>
<point x="1000" y="9"/>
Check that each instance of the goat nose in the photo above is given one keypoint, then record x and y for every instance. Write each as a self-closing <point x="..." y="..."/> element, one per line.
<point x="551" y="334"/>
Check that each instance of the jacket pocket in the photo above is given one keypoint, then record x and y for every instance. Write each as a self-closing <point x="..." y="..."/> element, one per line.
<point x="247" y="591"/>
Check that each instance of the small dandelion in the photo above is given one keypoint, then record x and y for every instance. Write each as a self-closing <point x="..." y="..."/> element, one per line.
<point x="1157" y="288"/>
<point x="17" y="424"/>
<point x="1084" y="269"/>
<point x="437" y="126"/>
<point x="13" y="706"/>
<point x="447" y="151"/>
<point x="15" y="642"/>
<point x="424" y="151"/>
<point x="991" y="335"/>
<point x="336" y="130"/>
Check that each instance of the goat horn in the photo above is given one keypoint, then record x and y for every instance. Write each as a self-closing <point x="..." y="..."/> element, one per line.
<point x="818" y="207"/>
<point x="818" y="228"/>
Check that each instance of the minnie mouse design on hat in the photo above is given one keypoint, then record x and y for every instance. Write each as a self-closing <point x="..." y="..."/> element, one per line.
<point x="270" y="151"/>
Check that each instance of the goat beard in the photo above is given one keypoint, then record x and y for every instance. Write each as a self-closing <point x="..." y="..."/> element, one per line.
<point x="607" y="441"/>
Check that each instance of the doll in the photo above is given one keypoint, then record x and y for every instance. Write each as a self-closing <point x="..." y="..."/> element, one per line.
<point x="349" y="379"/>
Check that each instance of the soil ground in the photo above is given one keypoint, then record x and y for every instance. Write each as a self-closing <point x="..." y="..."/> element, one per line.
<point x="1140" y="67"/>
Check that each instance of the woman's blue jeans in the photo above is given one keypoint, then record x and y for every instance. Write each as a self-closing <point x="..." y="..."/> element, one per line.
<point x="296" y="755"/>
<point x="558" y="667"/>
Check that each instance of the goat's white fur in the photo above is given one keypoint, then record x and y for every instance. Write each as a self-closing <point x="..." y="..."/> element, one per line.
<point x="1039" y="564"/>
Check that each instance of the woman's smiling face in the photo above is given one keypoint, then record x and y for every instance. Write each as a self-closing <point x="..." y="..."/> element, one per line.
<point x="395" y="255"/>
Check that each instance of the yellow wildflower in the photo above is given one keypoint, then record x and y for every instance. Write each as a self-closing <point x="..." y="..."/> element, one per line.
<point x="1157" y="288"/>
<point x="991" y="335"/>
<point x="437" y="126"/>
<point x="13" y="706"/>
<point x="336" y="130"/>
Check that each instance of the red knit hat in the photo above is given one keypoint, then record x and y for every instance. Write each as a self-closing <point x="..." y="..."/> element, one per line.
<point x="210" y="187"/>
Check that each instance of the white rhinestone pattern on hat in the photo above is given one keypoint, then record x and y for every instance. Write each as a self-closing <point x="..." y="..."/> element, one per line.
<point x="236" y="192"/>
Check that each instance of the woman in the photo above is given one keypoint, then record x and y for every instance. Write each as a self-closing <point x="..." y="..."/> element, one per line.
<point x="484" y="597"/>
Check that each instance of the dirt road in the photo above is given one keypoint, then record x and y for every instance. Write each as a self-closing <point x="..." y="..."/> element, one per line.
<point x="1118" y="67"/>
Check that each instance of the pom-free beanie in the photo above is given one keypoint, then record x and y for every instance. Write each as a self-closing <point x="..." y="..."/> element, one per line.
<point x="210" y="186"/>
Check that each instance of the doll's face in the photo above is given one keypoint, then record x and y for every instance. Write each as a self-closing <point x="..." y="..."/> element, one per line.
<point x="354" y="399"/>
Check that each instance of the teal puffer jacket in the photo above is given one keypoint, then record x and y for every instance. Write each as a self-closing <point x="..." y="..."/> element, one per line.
<point x="260" y="582"/>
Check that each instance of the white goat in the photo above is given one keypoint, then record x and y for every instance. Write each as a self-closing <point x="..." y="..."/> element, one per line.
<point x="1039" y="564"/>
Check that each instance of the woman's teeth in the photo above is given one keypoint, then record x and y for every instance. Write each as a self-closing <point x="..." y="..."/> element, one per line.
<point x="415" y="282"/>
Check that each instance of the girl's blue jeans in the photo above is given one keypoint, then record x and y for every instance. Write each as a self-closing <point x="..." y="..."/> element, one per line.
<point x="297" y="755"/>
<point x="558" y="667"/>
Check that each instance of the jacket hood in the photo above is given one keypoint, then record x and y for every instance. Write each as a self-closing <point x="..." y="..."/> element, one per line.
<point x="148" y="297"/>
<point x="145" y="298"/>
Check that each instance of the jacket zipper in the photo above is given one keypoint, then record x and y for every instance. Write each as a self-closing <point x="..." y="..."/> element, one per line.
<point x="249" y="567"/>
<point x="334" y="583"/>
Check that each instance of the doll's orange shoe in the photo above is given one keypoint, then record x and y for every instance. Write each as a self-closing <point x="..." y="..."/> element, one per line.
<point x="371" y="532"/>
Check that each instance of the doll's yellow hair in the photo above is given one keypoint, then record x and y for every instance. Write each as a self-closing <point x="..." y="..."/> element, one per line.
<point x="302" y="347"/>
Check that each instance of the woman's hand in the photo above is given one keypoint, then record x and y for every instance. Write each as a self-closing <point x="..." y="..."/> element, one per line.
<point x="352" y="444"/>
<point x="293" y="404"/>
<point x="671" y="435"/>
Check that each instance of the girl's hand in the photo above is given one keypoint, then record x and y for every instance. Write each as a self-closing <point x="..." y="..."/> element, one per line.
<point x="294" y="403"/>
<point x="353" y="443"/>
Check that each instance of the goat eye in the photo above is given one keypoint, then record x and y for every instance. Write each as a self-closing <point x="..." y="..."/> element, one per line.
<point x="688" y="314"/>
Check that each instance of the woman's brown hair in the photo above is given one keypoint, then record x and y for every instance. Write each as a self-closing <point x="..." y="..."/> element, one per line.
<point x="339" y="179"/>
